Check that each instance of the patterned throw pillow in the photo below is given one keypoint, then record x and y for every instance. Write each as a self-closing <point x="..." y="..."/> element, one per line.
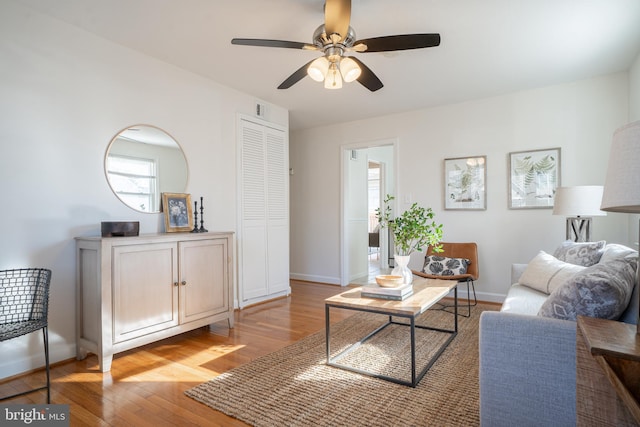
<point x="443" y="266"/>
<point x="585" y="254"/>
<point x="602" y="291"/>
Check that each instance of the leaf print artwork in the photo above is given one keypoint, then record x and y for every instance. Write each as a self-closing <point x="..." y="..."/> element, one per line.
<point x="534" y="177"/>
<point x="465" y="179"/>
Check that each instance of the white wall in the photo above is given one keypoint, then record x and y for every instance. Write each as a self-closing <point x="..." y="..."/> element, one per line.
<point x="579" y="117"/>
<point x="634" y="90"/>
<point x="634" y="114"/>
<point x="65" y="94"/>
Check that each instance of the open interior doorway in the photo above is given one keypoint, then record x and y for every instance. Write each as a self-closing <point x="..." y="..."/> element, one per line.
<point x="368" y="174"/>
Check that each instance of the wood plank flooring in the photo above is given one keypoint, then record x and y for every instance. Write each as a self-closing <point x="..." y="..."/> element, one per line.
<point x="146" y="385"/>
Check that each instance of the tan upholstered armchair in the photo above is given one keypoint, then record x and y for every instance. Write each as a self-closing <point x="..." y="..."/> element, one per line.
<point x="458" y="250"/>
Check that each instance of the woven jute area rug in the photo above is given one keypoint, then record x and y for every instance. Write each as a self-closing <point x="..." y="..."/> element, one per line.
<point x="294" y="386"/>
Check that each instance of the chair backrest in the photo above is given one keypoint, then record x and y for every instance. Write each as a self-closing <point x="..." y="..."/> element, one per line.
<point x="24" y="295"/>
<point x="461" y="250"/>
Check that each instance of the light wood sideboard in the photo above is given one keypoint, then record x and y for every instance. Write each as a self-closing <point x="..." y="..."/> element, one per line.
<point x="132" y="291"/>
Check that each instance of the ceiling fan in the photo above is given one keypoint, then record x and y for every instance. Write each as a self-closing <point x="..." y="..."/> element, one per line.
<point x="335" y="38"/>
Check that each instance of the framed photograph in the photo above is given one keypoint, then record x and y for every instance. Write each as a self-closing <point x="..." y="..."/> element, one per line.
<point x="178" y="213"/>
<point x="465" y="181"/>
<point x="533" y="178"/>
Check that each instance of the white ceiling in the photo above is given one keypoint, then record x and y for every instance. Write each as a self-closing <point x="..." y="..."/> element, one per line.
<point x="488" y="47"/>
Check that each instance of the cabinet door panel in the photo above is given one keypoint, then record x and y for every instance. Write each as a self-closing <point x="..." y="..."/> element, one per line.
<point x="203" y="278"/>
<point x="144" y="297"/>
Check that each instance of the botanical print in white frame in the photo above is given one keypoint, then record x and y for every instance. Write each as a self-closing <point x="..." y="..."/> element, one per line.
<point x="533" y="178"/>
<point x="465" y="180"/>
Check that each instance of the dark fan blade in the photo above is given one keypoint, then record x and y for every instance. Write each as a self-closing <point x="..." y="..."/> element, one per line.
<point x="337" y="15"/>
<point x="400" y="42"/>
<point x="272" y="43"/>
<point x="367" y="78"/>
<point x="295" y="77"/>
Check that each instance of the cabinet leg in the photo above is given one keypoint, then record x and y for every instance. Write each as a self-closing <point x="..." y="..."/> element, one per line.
<point x="105" y="362"/>
<point x="81" y="353"/>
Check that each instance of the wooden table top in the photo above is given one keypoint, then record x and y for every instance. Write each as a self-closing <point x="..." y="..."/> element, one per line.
<point x="610" y="338"/>
<point x="426" y="292"/>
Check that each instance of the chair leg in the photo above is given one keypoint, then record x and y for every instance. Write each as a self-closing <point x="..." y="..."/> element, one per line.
<point x="45" y="338"/>
<point x="475" y="299"/>
<point x="469" y="305"/>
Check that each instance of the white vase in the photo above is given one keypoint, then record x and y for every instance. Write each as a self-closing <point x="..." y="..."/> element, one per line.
<point x="402" y="269"/>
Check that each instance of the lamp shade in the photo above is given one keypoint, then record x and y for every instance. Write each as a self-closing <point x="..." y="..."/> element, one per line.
<point x="622" y="185"/>
<point x="318" y="69"/>
<point x="349" y="69"/>
<point x="583" y="200"/>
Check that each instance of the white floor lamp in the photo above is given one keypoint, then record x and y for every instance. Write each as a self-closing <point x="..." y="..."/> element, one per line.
<point x="622" y="186"/>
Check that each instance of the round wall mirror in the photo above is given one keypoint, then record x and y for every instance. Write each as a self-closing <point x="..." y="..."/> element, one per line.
<point x="141" y="163"/>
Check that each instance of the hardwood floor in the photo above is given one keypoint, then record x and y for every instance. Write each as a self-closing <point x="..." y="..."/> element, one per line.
<point x="146" y="385"/>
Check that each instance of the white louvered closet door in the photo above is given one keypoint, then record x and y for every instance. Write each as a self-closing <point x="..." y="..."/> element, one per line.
<point x="264" y="212"/>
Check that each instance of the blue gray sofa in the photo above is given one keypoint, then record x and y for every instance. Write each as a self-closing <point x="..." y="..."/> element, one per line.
<point x="527" y="360"/>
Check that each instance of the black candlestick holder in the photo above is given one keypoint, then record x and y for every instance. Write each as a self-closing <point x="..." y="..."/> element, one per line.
<point x="202" y="229"/>
<point x="195" y="219"/>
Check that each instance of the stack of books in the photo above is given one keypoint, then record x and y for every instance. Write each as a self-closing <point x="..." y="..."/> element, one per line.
<point x="397" y="294"/>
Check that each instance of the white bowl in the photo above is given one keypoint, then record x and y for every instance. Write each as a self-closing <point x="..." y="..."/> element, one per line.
<point x="389" y="281"/>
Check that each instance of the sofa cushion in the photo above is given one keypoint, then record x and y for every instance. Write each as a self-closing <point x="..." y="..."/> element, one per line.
<point x="602" y="291"/>
<point x="545" y="273"/>
<point x="444" y="266"/>
<point x="584" y="253"/>
<point x="523" y="300"/>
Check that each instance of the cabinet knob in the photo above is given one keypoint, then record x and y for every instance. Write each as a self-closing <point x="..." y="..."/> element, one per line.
<point x="175" y="283"/>
<point x="184" y="282"/>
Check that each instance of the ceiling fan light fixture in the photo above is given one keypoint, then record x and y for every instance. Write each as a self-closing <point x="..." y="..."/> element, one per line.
<point x="333" y="80"/>
<point x="334" y="38"/>
<point x="318" y="69"/>
<point x="349" y="69"/>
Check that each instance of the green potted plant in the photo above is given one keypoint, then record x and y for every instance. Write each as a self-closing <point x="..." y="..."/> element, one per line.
<point x="412" y="230"/>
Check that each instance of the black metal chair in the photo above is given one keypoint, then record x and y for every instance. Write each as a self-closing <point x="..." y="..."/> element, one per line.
<point x="24" y="306"/>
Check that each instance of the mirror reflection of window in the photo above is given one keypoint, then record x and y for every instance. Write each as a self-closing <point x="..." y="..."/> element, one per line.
<point x="135" y="180"/>
<point x="141" y="163"/>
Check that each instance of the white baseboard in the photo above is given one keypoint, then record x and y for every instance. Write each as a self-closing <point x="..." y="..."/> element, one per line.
<point x="489" y="297"/>
<point x="314" y="278"/>
<point x="57" y="353"/>
<point x="481" y="296"/>
<point x="269" y="297"/>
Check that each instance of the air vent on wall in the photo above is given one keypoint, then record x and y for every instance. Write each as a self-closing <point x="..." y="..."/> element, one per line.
<point x="261" y="110"/>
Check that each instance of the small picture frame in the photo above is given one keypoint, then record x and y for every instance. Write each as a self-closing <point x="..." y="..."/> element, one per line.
<point x="465" y="183"/>
<point x="178" y="213"/>
<point x="533" y="178"/>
